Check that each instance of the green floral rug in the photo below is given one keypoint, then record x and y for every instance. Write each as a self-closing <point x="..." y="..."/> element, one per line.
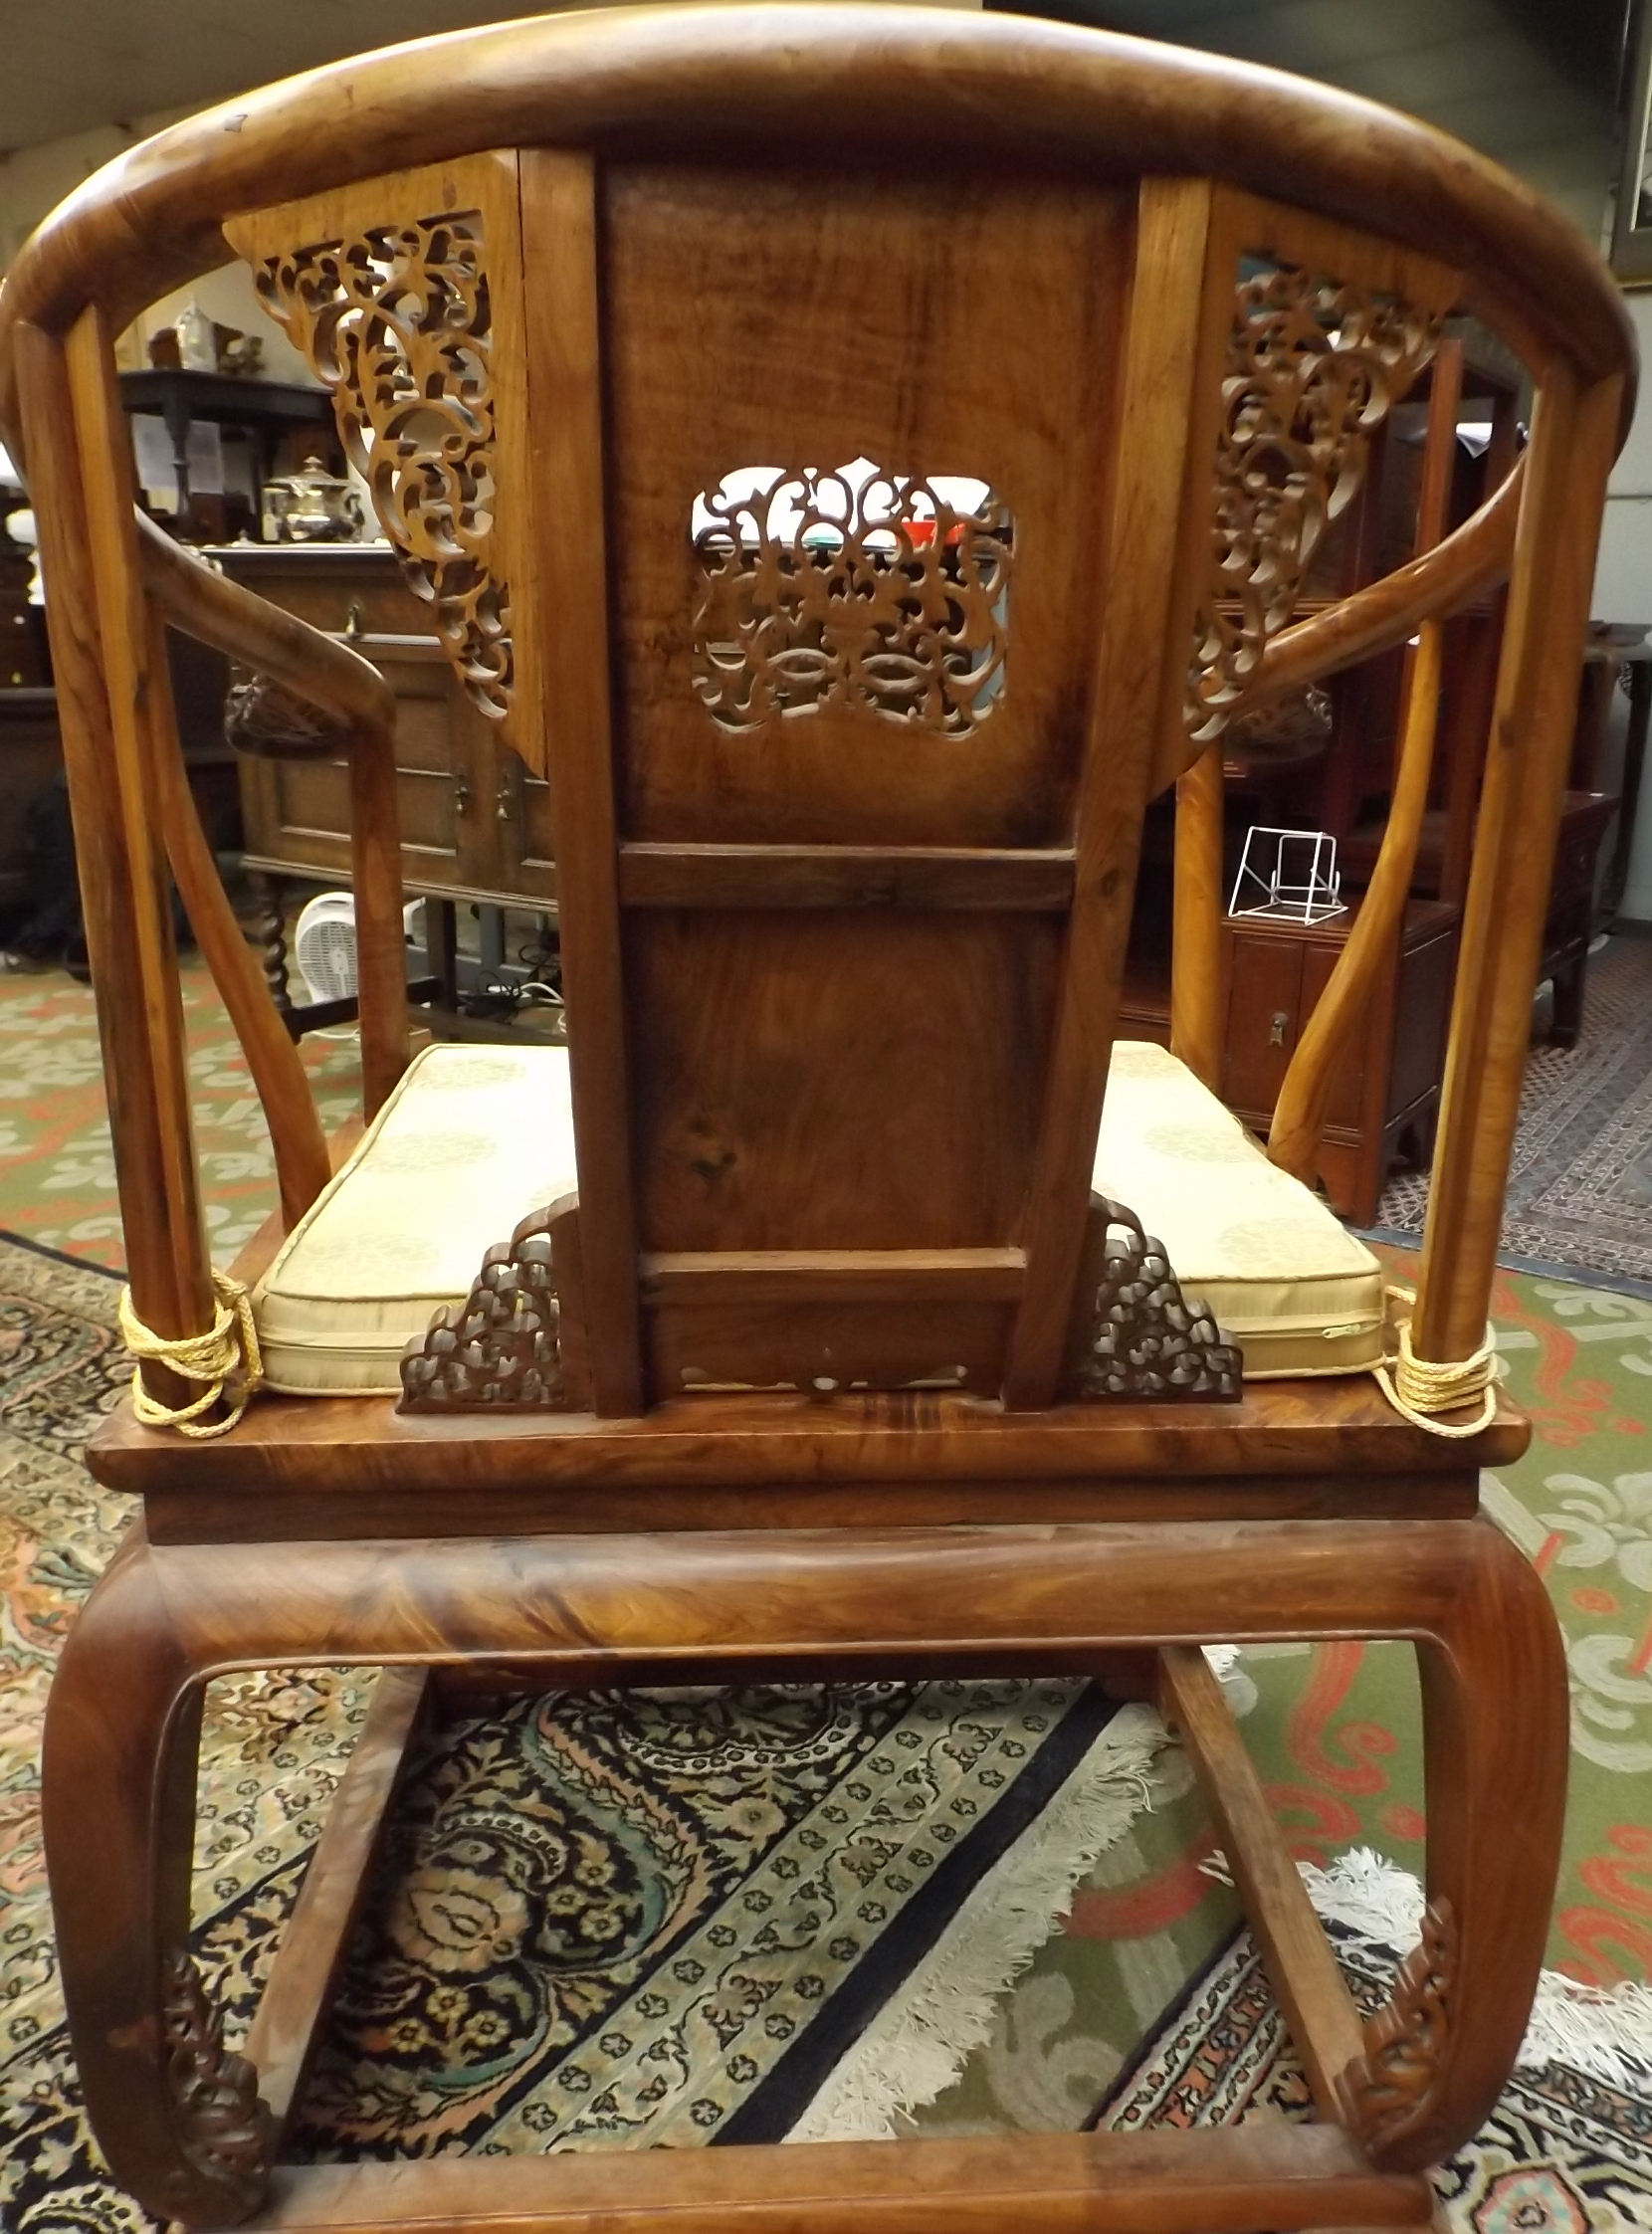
<point x="687" y="1918"/>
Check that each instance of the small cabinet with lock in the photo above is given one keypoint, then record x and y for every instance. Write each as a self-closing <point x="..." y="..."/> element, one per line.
<point x="475" y="823"/>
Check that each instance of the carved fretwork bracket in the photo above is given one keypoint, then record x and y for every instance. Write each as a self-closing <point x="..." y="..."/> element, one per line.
<point x="1385" y="2090"/>
<point x="263" y="718"/>
<point x="1140" y="1336"/>
<point x="396" y="319"/>
<point x="500" y="1349"/>
<point x="225" y="2126"/>
<point x="1314" y="368"/>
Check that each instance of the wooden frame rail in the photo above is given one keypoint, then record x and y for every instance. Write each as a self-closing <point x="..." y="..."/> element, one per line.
<point x="717" y="1607"/>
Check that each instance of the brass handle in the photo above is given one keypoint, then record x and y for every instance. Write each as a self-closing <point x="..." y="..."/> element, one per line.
<point x="355" y="620"/>
<point x="1276" y="1037"/>
<point x="505" y="801"/>
<point x="461" y="795"/>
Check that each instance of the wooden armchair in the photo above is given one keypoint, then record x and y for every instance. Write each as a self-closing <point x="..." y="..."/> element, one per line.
<point x="801" y="424"/>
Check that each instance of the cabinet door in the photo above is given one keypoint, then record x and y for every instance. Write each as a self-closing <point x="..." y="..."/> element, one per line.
<point x="1345" y="1109"/>
<point x="521" y="808"/>
<point x="298" y="811"/>
<point x="1422" y="1014"/>
<point x="1263" y="1012"/>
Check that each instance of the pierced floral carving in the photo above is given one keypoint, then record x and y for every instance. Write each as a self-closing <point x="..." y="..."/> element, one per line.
<point x="396" y="321"/>
<point x="1313" y="369"/>
<point x="500" y="1347"/>
<point x="1383" y="2090"/>
<point x="263" y="718"/>
<point x="225" y="2124"/>
<point x="1149" y="1338"/>
<point x="857" y="587"/>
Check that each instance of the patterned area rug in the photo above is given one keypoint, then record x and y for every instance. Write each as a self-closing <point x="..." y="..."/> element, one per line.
<point x="1563" y="2152"/>
<point x="809" y="1912"/>
<point x="56" y="1166"/>
<point x="1580" y="1188"/>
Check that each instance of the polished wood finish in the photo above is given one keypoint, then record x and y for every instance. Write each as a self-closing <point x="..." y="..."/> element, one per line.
<point x="1300" y="1113"/>
<point x="1198" y="976"/>
<point x="568" y="590"/>
<point x="296" y="1135"/>
<point x="1154" y="568"/>
<point x="124" y="902"/>
<point x="1024" y="878"/>
<point x="580" y="1609"/>
<point x="287" y="2029"/>
<point x="1319" y="2010"/>
<point x="1195" y="2183"/>
<point x="1573" y="440"/>
<point x="844" y="935"/>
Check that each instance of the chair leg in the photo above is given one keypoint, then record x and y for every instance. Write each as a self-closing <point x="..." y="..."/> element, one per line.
<point x="1494" y="1730"/>
<point x="177" y="2117"/>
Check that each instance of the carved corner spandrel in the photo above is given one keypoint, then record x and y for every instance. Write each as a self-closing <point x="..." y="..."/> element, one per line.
<point x="1136" y="1335"/>
<point x="1385" y="2092"/>
<point x="1314" y="368"/>
<point x="502" y="1349"/>
<point x="225" y="2126"/>
<point x="396" y="319"/>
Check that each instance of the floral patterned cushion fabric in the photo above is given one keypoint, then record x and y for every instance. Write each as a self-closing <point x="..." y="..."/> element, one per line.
<point x="471" y="1140"/>
<point x="475" y="1138"/>
<point x="1284" y="1281"/>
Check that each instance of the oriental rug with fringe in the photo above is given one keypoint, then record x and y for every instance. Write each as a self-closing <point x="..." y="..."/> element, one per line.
<point x="687" y="1918"/>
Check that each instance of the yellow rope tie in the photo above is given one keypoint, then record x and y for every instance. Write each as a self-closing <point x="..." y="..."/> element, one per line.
<point x="228" y="1351"/>
<point x="1418" y="1388"/>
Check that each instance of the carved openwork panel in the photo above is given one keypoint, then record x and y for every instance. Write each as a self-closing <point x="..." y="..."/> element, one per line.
<point x="396" y="321"/>
<point x="264" y="718"/>
<point x="851" y="588"/>
<point x="1313" y="369"/>
<point x="1385" y="2090"/>
<point x="1146" y="1339"/>
<point x="224" y="2123"/>
<point x="500" y="1347"/>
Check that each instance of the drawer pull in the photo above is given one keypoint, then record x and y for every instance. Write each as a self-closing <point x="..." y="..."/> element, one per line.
<point x="461" y="796"/>
<point x="1276" y="1035"/>
<point x="505" y="801"/>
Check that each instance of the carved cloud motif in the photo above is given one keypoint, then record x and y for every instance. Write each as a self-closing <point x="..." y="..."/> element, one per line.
<point x="396" y="321"/>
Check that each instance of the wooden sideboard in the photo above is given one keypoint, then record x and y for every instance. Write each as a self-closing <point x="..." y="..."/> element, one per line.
<point x="475" y="823"/>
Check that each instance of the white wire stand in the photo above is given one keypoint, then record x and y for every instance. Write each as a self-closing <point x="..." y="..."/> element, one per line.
<point x="1290" y="875"/>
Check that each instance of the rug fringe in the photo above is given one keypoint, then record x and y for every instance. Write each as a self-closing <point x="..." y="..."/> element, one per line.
<point x="1606" y="2031"/>
<point x="918" y="2043"/>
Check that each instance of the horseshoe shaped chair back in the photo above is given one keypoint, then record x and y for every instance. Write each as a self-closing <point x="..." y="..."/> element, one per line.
<point x="859" y="455"/>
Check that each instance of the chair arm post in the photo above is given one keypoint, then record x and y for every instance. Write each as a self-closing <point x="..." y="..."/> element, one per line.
<point x="329" y="674"/>
<point x="1299" y="1113"/>
<point x="381" y="946"/>
<point x="297" y="1140"/>
<point x="1573" y="440"/>
<point x="80" y="469"/>
<point x="1196" y="934"/>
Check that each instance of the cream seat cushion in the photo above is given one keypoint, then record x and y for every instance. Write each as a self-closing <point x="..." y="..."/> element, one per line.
<point x="1283" y="1279"/>
<point x="475" y="1138"/>
<point x="471" y="1140"/>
